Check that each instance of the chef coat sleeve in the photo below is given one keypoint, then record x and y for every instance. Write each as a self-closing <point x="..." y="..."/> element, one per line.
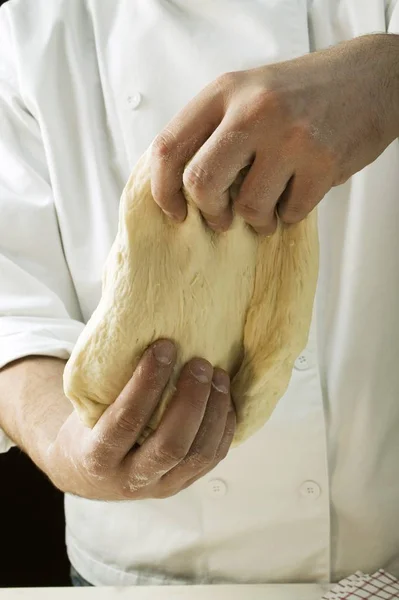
<point x="392" y="16"/>
<point x="39" y="311"/>
<point x="331" y="22"/>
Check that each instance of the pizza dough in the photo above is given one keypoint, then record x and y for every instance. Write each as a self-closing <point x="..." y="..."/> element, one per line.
<point x="241" y="301"/>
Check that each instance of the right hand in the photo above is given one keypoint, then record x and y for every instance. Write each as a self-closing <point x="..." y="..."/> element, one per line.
<point x="195" y="433"/>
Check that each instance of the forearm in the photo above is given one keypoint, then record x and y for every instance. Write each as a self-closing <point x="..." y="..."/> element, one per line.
<point x="33" y="406"/>
<point x="384" y="50"/>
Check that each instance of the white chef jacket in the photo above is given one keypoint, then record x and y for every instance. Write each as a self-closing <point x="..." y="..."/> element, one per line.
<point x="84" y="88"/>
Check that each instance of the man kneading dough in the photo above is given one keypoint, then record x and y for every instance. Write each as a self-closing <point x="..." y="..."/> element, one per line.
<point x="218" y="158"/>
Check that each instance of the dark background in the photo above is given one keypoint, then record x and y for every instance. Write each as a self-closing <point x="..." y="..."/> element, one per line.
<point x="32" y="550"/>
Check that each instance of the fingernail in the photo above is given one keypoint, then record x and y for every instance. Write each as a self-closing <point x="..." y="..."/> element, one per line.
<point x="164" y="351"/>
<point x="221" y="382"/>
<point x="201" y="370"/>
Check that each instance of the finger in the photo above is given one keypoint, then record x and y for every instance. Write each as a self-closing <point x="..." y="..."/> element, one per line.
<point x="177" y="143"/>
<point x="122" y="423"/>
<point x="228" y="436"/>
<point x="223" y="449"/>
<point x="202" y="453"/>
<point x="260" y="191"/>
<point x="172" y="440"/>
<point x="214" y="169"/>
<point x="300" y="197"/>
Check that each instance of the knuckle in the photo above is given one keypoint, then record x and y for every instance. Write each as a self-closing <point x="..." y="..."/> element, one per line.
<point x="196" y="179"/>
<point x="126" y="423"/>
<point x="267" y="100"/>
<point x="294" y="213"/>
<point x="248" y="211"/>
<point x="169" y="453"/>
<point x="164" y="146"/>
<point x="256" y="216"/>
<point x="200" y="460"/>
<point x="226" y="81"/>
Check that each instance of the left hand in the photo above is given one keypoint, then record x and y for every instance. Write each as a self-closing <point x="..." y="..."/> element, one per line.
<point x="301" y="126"/>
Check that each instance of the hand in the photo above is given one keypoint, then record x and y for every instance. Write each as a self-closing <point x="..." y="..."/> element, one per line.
<point x="195" y="434"/>
<point x="302" y="126"/>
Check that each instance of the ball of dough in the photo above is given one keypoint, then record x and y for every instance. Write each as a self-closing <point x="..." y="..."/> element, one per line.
<point x="241" y="301"/>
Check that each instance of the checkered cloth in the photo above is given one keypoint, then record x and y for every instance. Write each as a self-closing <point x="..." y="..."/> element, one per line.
<point x="380" y="586"/>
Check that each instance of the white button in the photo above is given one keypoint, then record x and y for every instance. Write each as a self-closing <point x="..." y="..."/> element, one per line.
<point x="134" y="100"/>
<point x="302" y="363"/>
<point x="310" y="490"/>
<point x="217" y="487"/>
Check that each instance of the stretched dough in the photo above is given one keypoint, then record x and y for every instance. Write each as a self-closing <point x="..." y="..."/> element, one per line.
<point x="241" y="301"/>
